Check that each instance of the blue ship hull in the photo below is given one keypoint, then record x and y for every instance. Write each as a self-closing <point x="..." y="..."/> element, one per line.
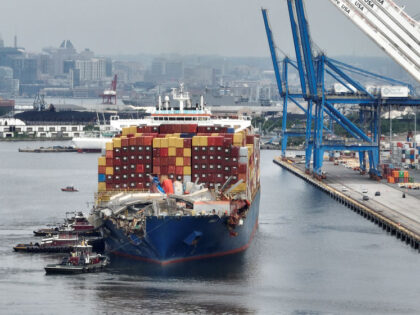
<point x="174" y="239"/>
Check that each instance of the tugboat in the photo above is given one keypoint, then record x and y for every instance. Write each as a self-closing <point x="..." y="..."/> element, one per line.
<point x="69" y="189"/>
<point x="81" y="260"/>
<point x="60" y="243"/>
<point x="77" y="224"/>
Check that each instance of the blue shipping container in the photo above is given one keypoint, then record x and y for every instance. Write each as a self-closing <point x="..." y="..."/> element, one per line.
<point x="101" y="177"/>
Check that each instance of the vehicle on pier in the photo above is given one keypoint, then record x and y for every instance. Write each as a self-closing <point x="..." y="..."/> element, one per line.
<point x="69" y="189"/>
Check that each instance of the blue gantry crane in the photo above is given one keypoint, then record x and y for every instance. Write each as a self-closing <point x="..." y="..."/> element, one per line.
<point x="315" y="72"/>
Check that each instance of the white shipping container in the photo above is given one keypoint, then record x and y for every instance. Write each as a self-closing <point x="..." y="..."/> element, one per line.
<point x="394" y="91"/>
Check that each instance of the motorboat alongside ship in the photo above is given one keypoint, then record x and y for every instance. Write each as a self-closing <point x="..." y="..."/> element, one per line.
<point x="76" y="224"/>
<point x="80" y="260"/>
<point x="213" y="164"/>
<point x="59" y="243"/>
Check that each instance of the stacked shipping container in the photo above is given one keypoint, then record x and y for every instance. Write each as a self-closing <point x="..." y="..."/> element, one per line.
<point x="183" y="152"/>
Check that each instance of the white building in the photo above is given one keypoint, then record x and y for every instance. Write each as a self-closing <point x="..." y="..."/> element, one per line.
<point x="91" y="69"/>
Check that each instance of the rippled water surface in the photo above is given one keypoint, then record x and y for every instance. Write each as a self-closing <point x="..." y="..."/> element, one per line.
<point x="310" y="255"/>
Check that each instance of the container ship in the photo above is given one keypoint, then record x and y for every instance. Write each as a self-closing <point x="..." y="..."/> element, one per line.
<point x="211" y="205"/>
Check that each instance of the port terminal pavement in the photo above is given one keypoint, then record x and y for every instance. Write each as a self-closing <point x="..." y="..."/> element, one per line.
<point x="397" y="215"/>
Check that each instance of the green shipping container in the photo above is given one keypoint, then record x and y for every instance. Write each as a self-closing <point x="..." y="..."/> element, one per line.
<point x="401" y="174"/>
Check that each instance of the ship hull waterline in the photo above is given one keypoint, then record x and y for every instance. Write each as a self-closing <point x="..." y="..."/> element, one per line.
<point x="172" y="240"/>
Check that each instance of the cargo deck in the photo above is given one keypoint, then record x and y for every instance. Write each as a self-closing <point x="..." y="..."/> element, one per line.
<point x="398" y="216"/>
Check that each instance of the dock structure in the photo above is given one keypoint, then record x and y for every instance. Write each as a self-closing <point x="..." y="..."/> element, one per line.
<point x="398" y="216"/>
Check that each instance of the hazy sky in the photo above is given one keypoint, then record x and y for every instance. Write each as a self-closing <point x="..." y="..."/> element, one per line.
<point x="223" y="27"/>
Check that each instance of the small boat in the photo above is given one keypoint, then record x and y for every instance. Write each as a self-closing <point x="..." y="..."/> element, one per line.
<point x="60" y="243"/>
<point x="81" y="260"/>
<point x="69" y="189"/>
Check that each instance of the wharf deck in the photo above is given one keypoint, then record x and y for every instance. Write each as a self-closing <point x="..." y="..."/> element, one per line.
<point x="399" y="216"/>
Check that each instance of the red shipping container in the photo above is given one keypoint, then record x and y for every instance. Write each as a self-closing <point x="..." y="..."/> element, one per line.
<point x="164" y="170"/>
<point x="227" y="152"/>
<point x="171" y="176"/>
<point x="124" y="142"/>
<point x="196" y="167"/>
<point x="203" y="166"/>
<point x="195" y="149"/>
<point x="139" y="141"/>
<point x="140" y="168"/>
<point x="148" y="149"/>
<point x="195" y="176"/>
<point x="242" y="168"/>
<point x="196" y="158"/>
<point x="187" y="143"/>
<point x="156" y="161"/>
<point x="204" y="150"/>
<point x="109" y="178"/>
<point x="179" y="170"/>
<point x="171" y="169"/>
<point x="250" y="139"/>
<point x="211" y="158"/>
<point x="164" y="161"/>
<point x="179" y="152"/>
<point x="109" y="154"/>
<point x="133" y="148"/>
<point x="109" y="186"/>
<point x="203" y="158"/>
<point x="117" y="169"/>
<point x="219" y="140"/>
<point x="117" y="152"/>
<point x="211" y="141"/>
<point x="141" y="177"/>
<point x="171" y="160"/>
<point x="140" y="149"/>
<point x="140" y="185"/>
<point x="156" y="152"/>
<point x="227" y="143"/>
<point x="156" y="170"/>
<point x="140" y="159"/>
<point x="109" y="162"/>
<point x="235" y="151"/>
<point x="147" y="158"/>
<point x="235" y="170"/>
<point x="147" y="140"/>
<point x="101" y="169"/>
<point x="219" y="178"/>
<point x="187" y="161"/>
<point x="163" y="151"/>
<point x="211" y="168"/>
<point x="211" y="177"/>
<point x="219" y="167"/>
<point x="147" y="168"/>
<point x="132" y="141"/>
<point x="133" y="158"/>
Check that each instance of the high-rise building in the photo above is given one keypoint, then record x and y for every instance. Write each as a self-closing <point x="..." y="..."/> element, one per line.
<point x="91" y="70"/>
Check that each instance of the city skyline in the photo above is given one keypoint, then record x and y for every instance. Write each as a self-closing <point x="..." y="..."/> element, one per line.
<point x="184" y="27"/>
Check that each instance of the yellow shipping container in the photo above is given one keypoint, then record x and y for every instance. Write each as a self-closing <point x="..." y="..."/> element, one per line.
<point x="169" y="135"/>
<point x="177" y="134"/>
<point x="187" y="152"/>
<point x="179" y="161"/>
<point x="109" y="170"/>
<point x="187" y="170"/>
<point x="215" y="134"/>
<point x="250" y="149"/>
<point x="172" y="151"/>
<point x="196" y="141"/>
<point x="138" y="134"/>
<point x="239" y="188"/>
<point x="237" y="138"/>
<point x="156" y="142"/>
<point x="125" y="131"/>
<point x="172" y="142"/>
<point x="179" y="142"/>
<point x="133" y="130"/>
<point x="109" y="146"/>
<point x="203" y="141"/>
<point x="164" y="142"/>
<point x="116" y="142"/>
<point x="101" y="186"/>
<point x="101" y="161"/>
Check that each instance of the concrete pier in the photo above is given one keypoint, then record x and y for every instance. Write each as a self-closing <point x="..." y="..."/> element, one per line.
<point x="398" y="216"/>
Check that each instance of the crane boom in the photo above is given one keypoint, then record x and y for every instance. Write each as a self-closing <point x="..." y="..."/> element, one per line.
<point x="402" y="45"/>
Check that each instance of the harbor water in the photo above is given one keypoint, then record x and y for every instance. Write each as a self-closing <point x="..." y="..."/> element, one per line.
<point x="310" y="255"/>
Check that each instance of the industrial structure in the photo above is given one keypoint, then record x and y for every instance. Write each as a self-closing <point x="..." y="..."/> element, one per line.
<point x="317" y="73"/>
<point x="110" y="96"/>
